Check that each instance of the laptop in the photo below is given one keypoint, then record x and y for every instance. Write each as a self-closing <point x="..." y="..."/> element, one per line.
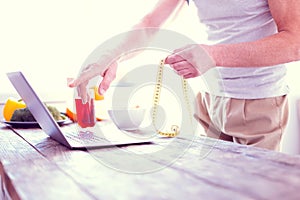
<point x="107" y="135"/>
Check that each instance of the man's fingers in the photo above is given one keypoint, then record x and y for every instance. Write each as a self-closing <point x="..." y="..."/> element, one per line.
<point x="108" y="76"/>
<point x="181" y="65"/>
<point x="190" y="75"/>
<point x="173" y="58"/>
<point x="185" y="69"/>
<point x="82" y="92"/>
<point x="183" y="72"/>
<point x="176" y="55"/>
<point x="88" y="73"/>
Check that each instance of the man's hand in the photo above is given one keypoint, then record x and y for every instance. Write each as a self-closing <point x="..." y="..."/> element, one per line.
<point x="89" y="72"/>
<point x="190" y="61"/>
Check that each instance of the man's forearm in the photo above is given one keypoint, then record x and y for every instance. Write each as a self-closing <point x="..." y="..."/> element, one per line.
<point x="280" y="48"/>
<point x="143" y="32"/>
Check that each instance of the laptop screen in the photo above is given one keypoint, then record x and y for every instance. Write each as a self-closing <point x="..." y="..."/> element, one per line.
<point x="36" y="106"/>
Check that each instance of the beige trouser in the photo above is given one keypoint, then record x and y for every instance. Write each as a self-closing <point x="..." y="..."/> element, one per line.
<point x="255" y="122"/>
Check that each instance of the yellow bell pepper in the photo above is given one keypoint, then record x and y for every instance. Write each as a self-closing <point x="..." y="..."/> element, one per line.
<point x="10" y="106"/>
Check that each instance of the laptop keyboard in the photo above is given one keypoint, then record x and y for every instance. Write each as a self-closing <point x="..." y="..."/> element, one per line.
<point x="83" y="137"/>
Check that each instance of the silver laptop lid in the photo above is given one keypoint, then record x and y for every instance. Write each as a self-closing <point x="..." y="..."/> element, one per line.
<point x="36" y="107"/>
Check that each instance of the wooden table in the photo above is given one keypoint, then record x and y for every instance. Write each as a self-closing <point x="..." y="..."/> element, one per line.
<point x="34" y="166"/>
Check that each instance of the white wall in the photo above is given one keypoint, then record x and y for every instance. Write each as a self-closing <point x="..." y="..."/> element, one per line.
<point x="49" y="39"/>
<point x="291" y="139"/>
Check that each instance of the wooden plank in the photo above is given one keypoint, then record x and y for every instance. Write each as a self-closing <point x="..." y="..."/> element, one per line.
<point x="26" y="174"/>
<point x="258" y="172"/>
<point x="227" y="169"/>
<point x="104" y="181"/>
<point x="10" y="144"/>
<point x="253" y="172"/>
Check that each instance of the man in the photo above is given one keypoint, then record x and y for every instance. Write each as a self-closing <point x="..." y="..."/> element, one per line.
<point x="250" y="42"/>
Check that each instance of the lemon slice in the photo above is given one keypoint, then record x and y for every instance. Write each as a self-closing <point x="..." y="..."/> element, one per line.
<point x="97" y="95"/>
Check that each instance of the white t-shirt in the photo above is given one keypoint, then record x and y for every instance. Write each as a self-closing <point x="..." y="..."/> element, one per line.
<point x="234" y="21"/>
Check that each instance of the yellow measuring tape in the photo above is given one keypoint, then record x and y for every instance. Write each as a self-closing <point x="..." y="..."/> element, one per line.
<point x="174" y="128"/>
